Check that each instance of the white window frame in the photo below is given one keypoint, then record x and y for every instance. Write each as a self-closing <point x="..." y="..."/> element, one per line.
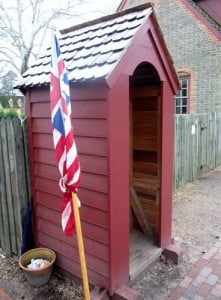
<point x="182" y="97"/>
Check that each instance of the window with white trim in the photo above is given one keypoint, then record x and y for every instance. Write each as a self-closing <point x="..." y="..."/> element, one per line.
<point x="182" y="97"/>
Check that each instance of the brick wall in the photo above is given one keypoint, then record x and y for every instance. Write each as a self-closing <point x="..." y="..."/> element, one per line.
<point x="194" y="49"/>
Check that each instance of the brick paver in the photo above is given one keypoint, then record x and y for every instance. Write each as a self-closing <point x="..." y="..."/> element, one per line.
<point x="204" y="280"/>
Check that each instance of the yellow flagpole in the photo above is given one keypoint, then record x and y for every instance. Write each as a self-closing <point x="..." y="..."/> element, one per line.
<point x="80" y="246"/>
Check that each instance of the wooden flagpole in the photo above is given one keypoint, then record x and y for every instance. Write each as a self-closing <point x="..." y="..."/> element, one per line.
<point x="80" y="246"/>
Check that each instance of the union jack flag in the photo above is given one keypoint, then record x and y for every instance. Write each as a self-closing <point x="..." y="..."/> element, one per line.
<point x="64" y="143"/>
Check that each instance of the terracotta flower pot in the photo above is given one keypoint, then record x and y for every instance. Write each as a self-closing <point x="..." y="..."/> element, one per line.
<point x="39" y="276"/>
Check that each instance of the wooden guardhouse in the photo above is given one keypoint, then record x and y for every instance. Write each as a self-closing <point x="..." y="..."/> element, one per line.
<point x="122" y="85"/>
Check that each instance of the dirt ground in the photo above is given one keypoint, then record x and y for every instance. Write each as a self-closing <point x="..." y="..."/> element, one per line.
<point x="196" y="227"/>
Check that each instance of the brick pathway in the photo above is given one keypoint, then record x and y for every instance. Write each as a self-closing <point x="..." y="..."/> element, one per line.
<point x="204" y="279"/>
<point x="203" y="282"/>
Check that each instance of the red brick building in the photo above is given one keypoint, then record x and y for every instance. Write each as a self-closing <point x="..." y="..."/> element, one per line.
<point x="192" y="32"/>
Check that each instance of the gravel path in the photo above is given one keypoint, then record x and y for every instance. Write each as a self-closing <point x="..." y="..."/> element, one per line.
<point x="196" y="227"/>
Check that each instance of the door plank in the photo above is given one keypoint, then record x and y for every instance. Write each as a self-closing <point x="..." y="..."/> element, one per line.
<point x="139" y="213"/>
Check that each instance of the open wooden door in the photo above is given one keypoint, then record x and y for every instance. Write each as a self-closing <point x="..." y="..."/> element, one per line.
<point x="145" y="165"/>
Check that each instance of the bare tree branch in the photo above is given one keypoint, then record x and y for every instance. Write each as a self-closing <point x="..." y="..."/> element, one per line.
<point x="23" y="24"/>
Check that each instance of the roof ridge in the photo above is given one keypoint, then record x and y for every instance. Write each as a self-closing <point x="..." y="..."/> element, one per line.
<point x="106" y="18"/>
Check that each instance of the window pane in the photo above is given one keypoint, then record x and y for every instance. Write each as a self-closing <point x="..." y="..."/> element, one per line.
<point x="184" y="93"/>
<point x="177" y="110"/>
<point x="178" y="93"/>
<point x="184" y="83"/>
<point x="178" y="101"/>
<point x="181" y="99"/>
<point x="184" y="110"/>
<point x="184" y="101"/>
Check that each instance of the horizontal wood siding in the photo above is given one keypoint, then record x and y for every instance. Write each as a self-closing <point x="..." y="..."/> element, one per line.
<point x="90" y="131"/>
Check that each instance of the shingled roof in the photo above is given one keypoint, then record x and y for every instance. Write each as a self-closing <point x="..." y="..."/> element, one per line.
<point x="91" y="50"/>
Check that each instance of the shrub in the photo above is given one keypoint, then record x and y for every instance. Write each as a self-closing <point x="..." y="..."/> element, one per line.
<point x="11" y="113"/>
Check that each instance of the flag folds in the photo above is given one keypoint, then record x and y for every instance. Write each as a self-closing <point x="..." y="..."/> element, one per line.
<point x="64" y="143"/>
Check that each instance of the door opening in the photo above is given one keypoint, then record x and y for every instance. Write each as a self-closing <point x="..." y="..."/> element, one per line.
<point x="145" y="167"/>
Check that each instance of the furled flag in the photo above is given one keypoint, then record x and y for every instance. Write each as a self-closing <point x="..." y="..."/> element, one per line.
<point x="64" y="143"/>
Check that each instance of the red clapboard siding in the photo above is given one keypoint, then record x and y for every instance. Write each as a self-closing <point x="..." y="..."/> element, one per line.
<point x="95" y="232"/>
<point x="55" y="230"/>
<point x="92" y="231"/>
<point x="47" y="171"/>
<point x="42" y="125"/>
<point x="52" y="230"/>
<point x="45" y="156"/>
<point x="40" y="110"/>
<point x="73" y="267"/>
<point x="90" y="181"/>
<point x="92" y="247"/>
<point x="71" y="252"/>
<point x="48" y="200"/>
<point x="85" y="145"/>
<point x="40" y="94"/>
<point x="94" y="154"/>
<point x="93" y="198"/>
<point x="90" y="127"/>
<point x="96" y="249"/>
<point x="94" y="109"/>
<point x="90" y="131"/>
<point x="94" y="182"/>
<point x="88" y="91"/>
<point x="94" y="216"/>
<point x="88" y="197"/>
<point x="94" y="263"/>
<point x="94" y="164"/>
<point x="82" y="127"/>
<point x="91" y="145"/>
<point x="43" y="141"/>
<point x="48" y="214"/>
<point x="47" y="186"/>
<point x="78" y="92"/>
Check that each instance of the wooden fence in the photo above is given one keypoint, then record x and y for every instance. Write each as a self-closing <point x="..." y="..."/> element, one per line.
<point x="197" y="146"/>
<point x="197" y="150"/>
<point x="14" y="183"/>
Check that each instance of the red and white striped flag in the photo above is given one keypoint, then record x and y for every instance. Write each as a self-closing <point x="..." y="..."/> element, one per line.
<point x="65" y="147"/>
